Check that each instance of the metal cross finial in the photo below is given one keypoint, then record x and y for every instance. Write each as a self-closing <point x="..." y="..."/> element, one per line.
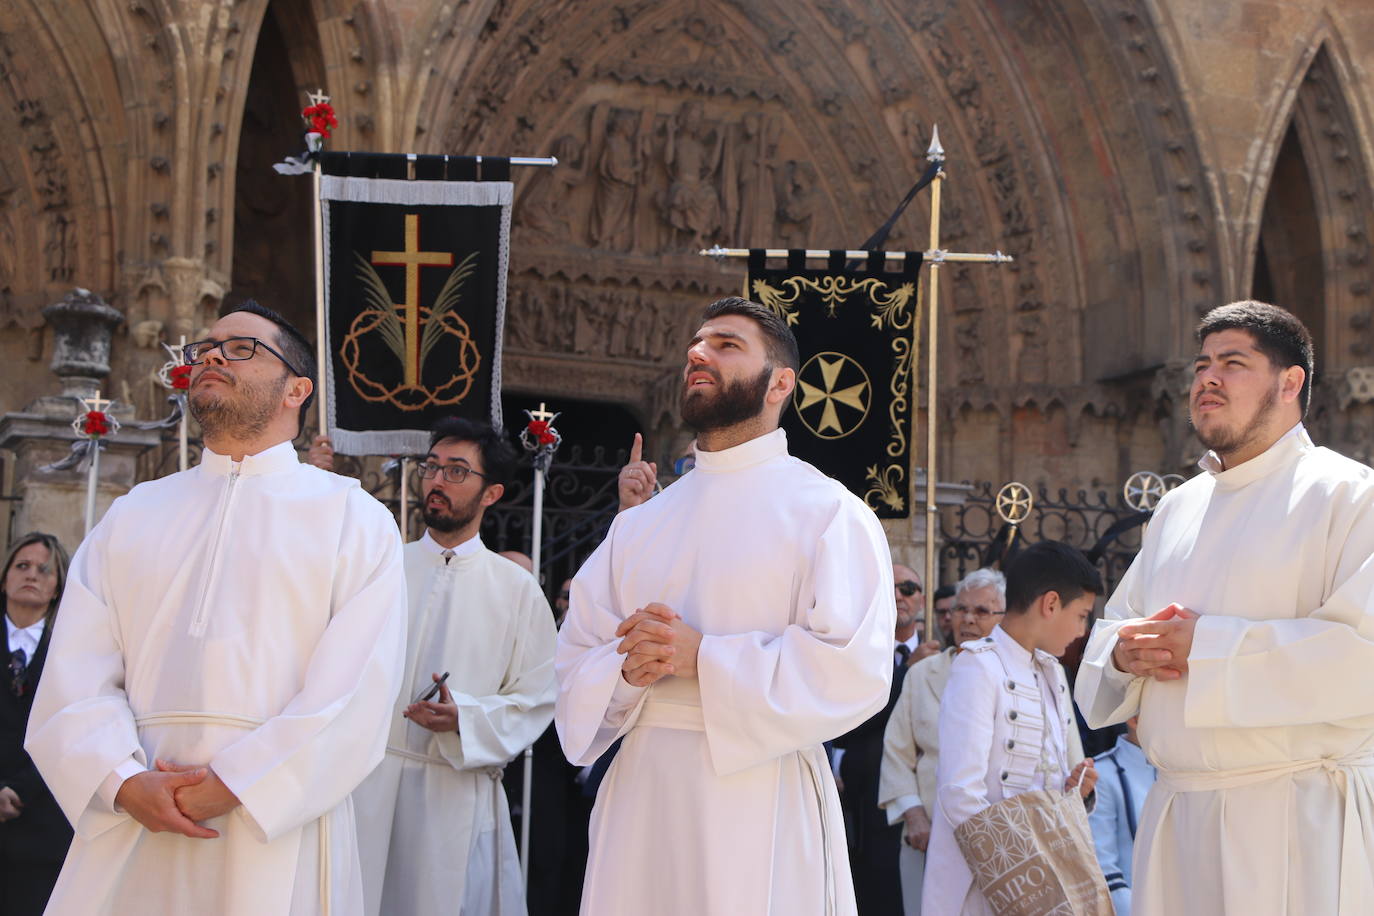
<point x="318" y="97"/>
<point x="936" y="152"/>
<point x="1014" y="502"/>
<point x="1143" y="490"/>
<point x="96" y="403"/>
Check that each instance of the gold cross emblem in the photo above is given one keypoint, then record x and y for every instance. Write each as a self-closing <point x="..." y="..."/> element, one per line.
<point x="412" y="259"/>
<point x="1014" y="503"/>
<point x="833" y="395"/>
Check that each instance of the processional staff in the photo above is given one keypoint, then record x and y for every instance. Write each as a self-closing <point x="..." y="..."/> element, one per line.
<point x="94" y="424"/>
<point x="320" y="119"/>
<point x="541" y="440"/>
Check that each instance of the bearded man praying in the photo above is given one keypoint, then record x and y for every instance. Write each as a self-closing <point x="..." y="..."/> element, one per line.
<point x="1243" y="637"/>
<point x="727" y="627"/>
<point x="228" y="650"/>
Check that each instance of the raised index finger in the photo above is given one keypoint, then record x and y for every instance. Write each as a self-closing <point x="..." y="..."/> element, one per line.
<point x="637" y="449"/>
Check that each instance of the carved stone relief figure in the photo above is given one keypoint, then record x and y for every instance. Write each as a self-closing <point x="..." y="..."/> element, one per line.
<point x="618" y="170"/>
<point x="59" y="248"/>
<point x="1033" y="363"/>
<point x="692" y="155"/>
<point x="544" y="212"/>
<point x="968" y="337"/>
<point x="748" y="183"/>
<point x="796" y="202"/>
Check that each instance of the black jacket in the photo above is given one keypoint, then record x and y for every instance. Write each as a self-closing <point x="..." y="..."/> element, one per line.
<point x="41" y="834"/>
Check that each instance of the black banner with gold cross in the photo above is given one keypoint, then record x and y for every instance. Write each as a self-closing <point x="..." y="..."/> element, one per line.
<point x="852" y="409"/>
<point x="415" y="300"/>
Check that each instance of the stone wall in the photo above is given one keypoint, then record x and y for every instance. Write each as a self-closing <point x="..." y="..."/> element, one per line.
<point x="1122" y="150"/>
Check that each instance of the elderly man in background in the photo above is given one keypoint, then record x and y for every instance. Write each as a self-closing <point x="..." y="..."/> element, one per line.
<point x="911" y="744"/>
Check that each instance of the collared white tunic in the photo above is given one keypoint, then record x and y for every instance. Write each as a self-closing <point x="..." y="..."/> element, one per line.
<point x="434" y="831"/>
<point x="994" y="735"/>
<point x="720" y="800"/>
<point x="1265" y="750"/>
<point x="246" y="615"/>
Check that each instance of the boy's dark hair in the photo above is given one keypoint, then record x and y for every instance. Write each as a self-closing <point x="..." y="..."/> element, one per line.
<point x="1049" y="566"/>
<point x="498" y="455"/>
<point x="1279" y="335"/>
<point x="943" y="592"/>
<point x="292" y="345"/>
<point x="779" y="342"/>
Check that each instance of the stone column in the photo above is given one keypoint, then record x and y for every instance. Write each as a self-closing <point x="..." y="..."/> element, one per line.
<point x="42" y="433"/>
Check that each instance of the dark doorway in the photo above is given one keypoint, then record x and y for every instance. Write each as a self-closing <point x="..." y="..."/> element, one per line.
<point x="273" y="241"/>
<point x="1289" y="270"/>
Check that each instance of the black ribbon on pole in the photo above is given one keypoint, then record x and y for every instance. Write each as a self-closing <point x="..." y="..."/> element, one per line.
<point x="875" y="241"/>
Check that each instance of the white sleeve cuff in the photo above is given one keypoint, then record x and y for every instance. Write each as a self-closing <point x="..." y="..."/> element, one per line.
<point x="624" y="695"/>
<point x="900" y="806"/>
<point x="110" y="786"/>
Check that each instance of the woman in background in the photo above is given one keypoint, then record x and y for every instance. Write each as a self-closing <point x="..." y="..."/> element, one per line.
<point x="34" y="834"/>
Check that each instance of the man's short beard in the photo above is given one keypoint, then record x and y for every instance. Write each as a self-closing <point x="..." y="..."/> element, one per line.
<point x="456" y="519"/>
<point x="735" y="403"/>
<point x="1228" y="441"/>
<point x="242" y="412"/>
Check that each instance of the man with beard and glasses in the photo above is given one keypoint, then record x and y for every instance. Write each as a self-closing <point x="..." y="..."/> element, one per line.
<point x="230" y="646"/>
<point x="434" y="829"/>
<point x="1243" y="637"/>
<point x="726" y="628"/>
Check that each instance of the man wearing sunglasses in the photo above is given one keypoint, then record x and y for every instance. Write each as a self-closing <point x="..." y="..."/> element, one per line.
<point x="726" y="628"/>
<point x="434" y="832"/>
<point x="230" y="647"/>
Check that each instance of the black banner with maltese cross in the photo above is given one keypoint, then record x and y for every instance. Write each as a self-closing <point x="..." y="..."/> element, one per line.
<point x="415" y="304"/>
<point x="851" y="411"/>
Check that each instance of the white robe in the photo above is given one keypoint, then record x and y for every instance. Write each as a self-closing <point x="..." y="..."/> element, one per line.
<point x="248" y="617"/>
<point x="720" y="800"/>
<point x="434" y="831"/>
<point x="1265" y="750"/>
<point x="911" y="752"/>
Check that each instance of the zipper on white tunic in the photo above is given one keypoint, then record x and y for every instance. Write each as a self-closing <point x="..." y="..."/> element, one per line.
<point x="200" y="620"/>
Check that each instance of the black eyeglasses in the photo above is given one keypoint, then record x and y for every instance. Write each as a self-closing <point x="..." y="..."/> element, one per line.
<point x="232" y="348"/>
<point x="908" y="588"/>
<point x="453" y="473"/>
<point x="980" y="612"/>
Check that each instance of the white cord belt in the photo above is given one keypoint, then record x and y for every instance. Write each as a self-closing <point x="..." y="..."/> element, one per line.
<point x="182" y="717"/>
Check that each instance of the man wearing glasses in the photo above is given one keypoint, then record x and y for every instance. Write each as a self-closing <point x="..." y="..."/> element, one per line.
<point x="911" y="744"/>
<point x="434" y="832"/>
<point x="230" y="645"/>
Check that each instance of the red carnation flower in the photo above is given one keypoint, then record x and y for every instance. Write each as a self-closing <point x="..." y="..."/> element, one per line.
<point x="181" y="377"/>
<point x="97" y="424"/>
<point x="539" y="429"/>
<point x="320" y="118"/>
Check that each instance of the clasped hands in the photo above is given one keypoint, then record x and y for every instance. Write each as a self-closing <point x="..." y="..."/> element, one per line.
<point x="176" y="798"/>
<point x="1157" y="646"/>
<point x="656" y="643"/>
